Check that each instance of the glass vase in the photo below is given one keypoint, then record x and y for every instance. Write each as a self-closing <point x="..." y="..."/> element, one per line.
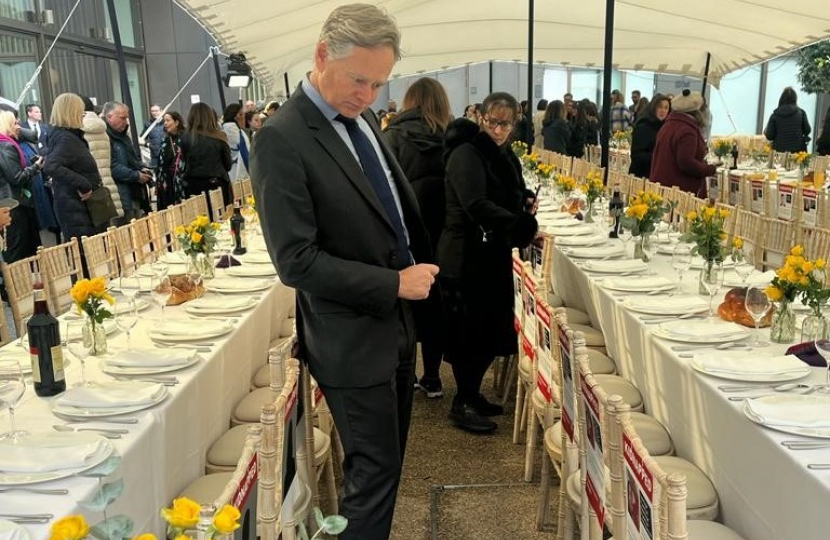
<point x="204" y="263"/>
<point x="782" y="329"/>
<point x="589" y="213"/>
<point x="701" y="287"/>
<point x="638" y="248"/>
<point x="815" y="327"/>
<point x="95" y="337"/>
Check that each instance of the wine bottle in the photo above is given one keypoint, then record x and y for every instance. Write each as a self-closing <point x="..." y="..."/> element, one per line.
<point x="615" y="208"/>
<point x="237" y="226"/>
<point x="734" y="154"/>
<point x="45" y="348"/>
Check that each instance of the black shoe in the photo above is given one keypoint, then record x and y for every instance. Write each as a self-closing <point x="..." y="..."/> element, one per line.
<point x="465" y="417"/>
<point x="485" y="408"/>
<point x="432" y="387"/>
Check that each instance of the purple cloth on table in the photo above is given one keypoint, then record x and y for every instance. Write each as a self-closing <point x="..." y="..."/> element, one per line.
<point x="224" y="261"/>
<point x="808" y="354"/>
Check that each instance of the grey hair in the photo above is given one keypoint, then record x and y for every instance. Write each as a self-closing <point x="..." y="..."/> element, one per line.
<point x="111" y="106"/>
<point x="362" y="25"/>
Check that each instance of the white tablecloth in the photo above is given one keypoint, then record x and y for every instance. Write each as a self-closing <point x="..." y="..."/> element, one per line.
<point x="166" y="450"/>
<point x="766" y="491"/>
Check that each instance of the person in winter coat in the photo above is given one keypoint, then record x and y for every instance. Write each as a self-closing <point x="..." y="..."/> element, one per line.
<point x="489" y="212"/>
<point x="555" y="128"/>
<point x="823" y="142"/>
<point x="644" y="136"/>
<point x="155" y="136"/>
<point x="129" y="173"/>
<point x="206" y="153"/>
<point x="95" y="134"/>
<point x="22" y="236"/>
<point x="680" y="151"/>
<point x="416" y="138"/>
<point x="581" y="130"/>
<point x="788" y="127"/>
<point x="72" y="168"/>
<point x="170" y="164"/>
<point x="233" y="124"/>
<point x="538" y="118"/>
<point x="41" y="192"/>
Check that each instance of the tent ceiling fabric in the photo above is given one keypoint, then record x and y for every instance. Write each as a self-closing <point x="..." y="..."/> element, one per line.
<point x="650" y="35"/>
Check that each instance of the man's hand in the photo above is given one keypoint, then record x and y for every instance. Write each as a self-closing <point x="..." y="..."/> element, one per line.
<point x="85" y="196"/>
<point x="144" y="177"/>
<point x="416" y="281"/>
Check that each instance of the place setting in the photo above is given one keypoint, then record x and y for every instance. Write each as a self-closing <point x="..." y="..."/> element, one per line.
<point x="582" y="241"/>
<point x="220" y="305"/>
<point x="602" y="252"/>
<point x="621" y="267"/>
<point x="108" y="398"/>
<point x="251" y="270"/>
<point x="635" y="284"/>
<point x="708" y="331"/>
<point x="230" y="285"/>
<point x="138" y="362"/>
<point x="750" y="367"/>
<point x="43" y="457"/>
<point x="687" y="306"/>
<point x="579" y="229"/>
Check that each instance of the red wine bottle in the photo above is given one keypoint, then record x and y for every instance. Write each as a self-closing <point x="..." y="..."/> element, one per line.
<point x="237" y="227"/>
<point x="45" y="345"/>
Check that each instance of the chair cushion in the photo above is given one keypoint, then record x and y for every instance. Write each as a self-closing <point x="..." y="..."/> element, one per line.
<point x="224" y="453"/>
<point x="573" y="489"/>
<point x="710" y="530"/>
<point x="262" y="377"/>
<point x="287" y="328"/>
<point x="613" y="384"/>
<point x="248" y="410"/>
<point x="205" y="489"/>
<point x="600" y="363"/>
<point x="555" y="300"/>
<point x="654" y="435"/>
<point x="593" y="337"/>
<point x="701" y="498"/>
<point x="322" y="447"/>
<point x="525" y="368"/>
<point x="577" y="316"/>
<point x="553" y="441"/>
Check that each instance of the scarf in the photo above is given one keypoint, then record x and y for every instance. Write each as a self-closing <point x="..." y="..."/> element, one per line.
<point x="7" y="139"/>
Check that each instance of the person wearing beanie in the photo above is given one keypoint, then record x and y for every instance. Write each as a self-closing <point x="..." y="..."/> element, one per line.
<point x="680" y="151"/>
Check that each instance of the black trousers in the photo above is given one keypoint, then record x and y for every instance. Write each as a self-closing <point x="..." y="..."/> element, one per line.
<point x="373" y="424"/>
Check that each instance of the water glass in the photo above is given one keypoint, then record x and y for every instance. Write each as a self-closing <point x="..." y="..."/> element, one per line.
<point x="160" y="268"/>
<point x="129" y="286"/>
<point x="681" y="261"/>
<point x="626" y="236"/>
<point x="12" y="388"/>
<point x="823" y="348"/>
<point x="162" y="293"/>
<point x="78" y="346"/>
<point x="126" y="317"/>
<point x="711" y="276"/>
<point x="649" y="243"/>
<point x="194" y="269"/>
<point x="757" y="304"/>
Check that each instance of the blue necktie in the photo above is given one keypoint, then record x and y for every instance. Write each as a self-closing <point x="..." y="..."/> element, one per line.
<point x="377" y="177"/>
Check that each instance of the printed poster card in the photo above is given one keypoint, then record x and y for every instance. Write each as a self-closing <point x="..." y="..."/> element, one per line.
<point x="544" y="356"/>
<point x="639" y="495"/>
<point x="786" y="194"/>
<point x="568" y="394"/>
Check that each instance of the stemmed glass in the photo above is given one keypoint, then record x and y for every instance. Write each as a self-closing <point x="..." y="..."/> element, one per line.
<point x="681" y="261"/>
<point x="162" y="293"/>
<point x="160" y="268"/>
<point x="75" y="344"/>
<point x="126" y="317"/>
<point x="711" y="276"/>
<point x="650" y="246"/>
<point x="22" y="332"/>
<point x="12" y="388"/>
<point x="757" y="304"/>
<point x="129" y="286"/>
<point x="744" y="266"/>
<point x="626" y="236"/>
<point x="823" y="348"/>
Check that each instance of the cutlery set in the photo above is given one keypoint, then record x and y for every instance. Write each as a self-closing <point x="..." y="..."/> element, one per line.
<point x="28" y="518"/>
<point x="109" y="433"/>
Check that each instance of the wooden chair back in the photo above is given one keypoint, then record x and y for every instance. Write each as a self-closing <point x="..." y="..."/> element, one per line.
<point x="17" y="277"/>
<point x="748" y="227"/>
<point x="217" y="205"/>
<point x="142" y="239"/>
<point x="61" y="266"/>
<point x="161" y="233"/>
<point x="776" y="239"/>
<point x="126" y="254"/>
<point x="100" y="254"/>
<point x="249" y="452"/>
<point x="5" y="331"/>
<point x="247" y="188"/>
<point x="816" y="241"/>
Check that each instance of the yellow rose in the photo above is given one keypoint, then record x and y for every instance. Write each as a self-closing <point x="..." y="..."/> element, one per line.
<point x="798" y="251"/>
<point x="226" y="520"/>
<point x="724" y="213"/>
<point x="183" y="537"/>
<point x="774" y="293"/>
<point x="709" y="213"/>
<point x="69" y="528"/>
<point x="179" y="230"/>
<point x="737" y="242"/>
<point x="109" y="299"/>
<point x="820" y="263"/>
<point x="201" y="221"/>
<point x="184" y="514"/>
<point x="145" y="536"/>
<point x="691" y="216"/>
<point x="807" y="267"/>
<point x="80" y="291"/>
<point x="195" y="237"/>
<point x="97" y="286"/>
<point x="722" y="236"/>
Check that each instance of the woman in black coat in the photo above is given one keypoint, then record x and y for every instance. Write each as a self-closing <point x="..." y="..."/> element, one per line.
<point x="207" y="155"/>
<point x="489" y="212"/>
<point x="644" y="136"/>
<point x="416" y="137"/>
<point x="72" y="168"/>
<point x="169" y="162"/>
<point x="788" y="127"/>
<point x="555" y="129"/>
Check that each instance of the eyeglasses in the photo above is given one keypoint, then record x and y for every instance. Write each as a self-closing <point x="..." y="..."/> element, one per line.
<point x="494" y="124"/>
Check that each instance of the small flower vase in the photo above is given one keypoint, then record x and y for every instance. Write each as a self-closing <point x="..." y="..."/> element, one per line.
<point x="589" y="213"/>
<point x="95" y="337"/>
<point x="782" y="329"/>
<point x="638" y="248"/>
<point x="701" y="286"/>
<point x="815" y="327"/>
<point x="800" y="174"/>
<point x="204" y="263"/>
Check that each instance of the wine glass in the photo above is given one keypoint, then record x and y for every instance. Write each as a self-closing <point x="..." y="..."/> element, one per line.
<point x="649" y="244"/>
<point x="823" y="348"/>
<point x="162" y="293"/>
<point x="12" y="388"/>
<point x="79" y="347"/>
<point x="160" y="268"/>
<point x="757" y="304"/>
<point x="626" y="236"/>
<point x="129" y="286"/>
<point x="23" y="341"/>
<point x="711" y="276"/>
<point x="743" y="264"/>
<point x="126" y="317"/>
<point x="681" y="261"/>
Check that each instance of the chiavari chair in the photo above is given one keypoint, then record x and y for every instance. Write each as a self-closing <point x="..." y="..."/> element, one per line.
<point x="161" y="233"/>
<point x="100" y="254"/>
<point x="17" y="278"/>
<point x="217" y="205"/>
<point x="128" y="258"/>
<point x="776" y="239"/>
<point x="61" y="266"/>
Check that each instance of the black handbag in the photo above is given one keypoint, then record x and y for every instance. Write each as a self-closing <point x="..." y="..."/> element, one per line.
<point x="100" y="206"/>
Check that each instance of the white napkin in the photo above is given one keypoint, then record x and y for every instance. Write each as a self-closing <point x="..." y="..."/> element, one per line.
<point x="112" y="394"/>
<point x="637" y="283"/>
<point x="596" y="252"/>
<point x="670" y="306"/>
<point x="580" y="229"/>
<point x="221" y="302"/>
<point x="702" y="329"/>
<point x="755" y="280"/>
<point x="557" y="222"/>
<point x="552" y="215"/>
<point x="152" y="358"/>
<point x="797" y="411"/>
<point x="25" y="457"/>
<point x="254" y="270"/>
<point x="750" y="364"/>
<point x="616" y="267"/>
<point x="596" y="240"/>
<point x="12" y="531"/>
<point x="229" y="284"/>
<point x="185" y="328"/>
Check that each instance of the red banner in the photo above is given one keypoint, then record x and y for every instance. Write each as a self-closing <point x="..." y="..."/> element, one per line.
<point x="241" y="496"/>
<point x="595" y="500"/>
<point x="638" y="468"/>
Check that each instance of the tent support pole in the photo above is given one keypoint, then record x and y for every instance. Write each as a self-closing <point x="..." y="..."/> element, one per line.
<point x="287" y="88"/>
<point x="706" y="74"/>
<point x="530" y="27"/>
<point x="606" y="83"/>
<point x="126" y="96"/>
<point x="219" y="84"/>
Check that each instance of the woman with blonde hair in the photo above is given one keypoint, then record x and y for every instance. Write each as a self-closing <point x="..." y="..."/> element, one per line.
<point x="416" y="136"/>
<point x="23" y="235"/>
<point x="206" y="154"/>
<point x="73" y="169"/>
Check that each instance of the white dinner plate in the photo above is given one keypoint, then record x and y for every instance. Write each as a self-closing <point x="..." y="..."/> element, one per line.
<point x="686" y="331"/>
<point x="253" y="270"/>
<point x="638" y="283"/>
<point x="13" y="351"/>
<point x="213" y="305"/>
<point x="145" y="284"/>
<point x="192" y="360"/>
<point x="104" y="451"/>
<point x="12" y="531"/>
<point x="70" y="411"/>
<point x="580" y="229"/>
<point x="174" y="257"/>
<point x="595" y="252"/>
<point x="594" y="240"/>
<point x="237" y="286"/>
<point x="667" y="248"/>
<point x="256" y="257"/>
<point x="190" y="330"/>
<point x="704" y="362"/>
<point x="785" y="399"/>
<point x="616" y="267"/>
<point x="675" y="305"/>
<point x="698" y="262"/>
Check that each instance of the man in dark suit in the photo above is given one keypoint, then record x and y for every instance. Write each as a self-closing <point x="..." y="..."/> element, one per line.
<point x="34" y="121"/>
<point x="343" y="228"/>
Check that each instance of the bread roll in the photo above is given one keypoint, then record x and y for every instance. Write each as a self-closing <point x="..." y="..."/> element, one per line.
<point x="183" y="290"/>
<point x="733" y="309"/>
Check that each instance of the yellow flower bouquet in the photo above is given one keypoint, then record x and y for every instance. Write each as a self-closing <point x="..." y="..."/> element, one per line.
<point x="803" y="277"/>
<point x="197" y="237"/>
<point x="722" y="147"/>
<point x="544" y="172"/>
<point x="565" y="183"/>
<point x="802" y="159"/>
<point x="706" y="231"/>
<point x="644" y="211"/>
<point x="91" y="297"/>
<point x="519" y="148"/>
<point x="183" y="516"/>
<point x="69" y="528"/>
<point x="621" y="139"/>
<point x="592" y="186"/>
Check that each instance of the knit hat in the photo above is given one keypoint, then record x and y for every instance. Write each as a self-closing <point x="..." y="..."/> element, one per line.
<point x="687" y="102"/>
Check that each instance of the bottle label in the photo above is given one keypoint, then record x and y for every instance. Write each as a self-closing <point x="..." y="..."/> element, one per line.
<point x="33" y="354"/>
<point x="57" y="362"/>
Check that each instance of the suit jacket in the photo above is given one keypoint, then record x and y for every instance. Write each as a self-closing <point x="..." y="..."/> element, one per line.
<point x="330" y="238"/>
<point x="43" y="139"/>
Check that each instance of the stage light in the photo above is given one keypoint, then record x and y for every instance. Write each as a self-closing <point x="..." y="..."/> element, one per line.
<point x="239" y="72"/>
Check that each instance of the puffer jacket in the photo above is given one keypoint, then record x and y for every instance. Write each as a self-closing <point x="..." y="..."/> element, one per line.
<point x="788" y="129"/>
<point x="95" y="133"/>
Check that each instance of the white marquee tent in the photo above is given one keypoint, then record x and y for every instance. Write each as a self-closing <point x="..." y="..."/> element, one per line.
<point x="667" y="36"/>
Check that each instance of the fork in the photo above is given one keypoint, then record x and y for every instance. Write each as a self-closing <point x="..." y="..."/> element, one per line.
<point x="28" y="518"/>
<point x="36" y="490"/>
<point x="805" y="445"/>
<point x="103" y="431"/>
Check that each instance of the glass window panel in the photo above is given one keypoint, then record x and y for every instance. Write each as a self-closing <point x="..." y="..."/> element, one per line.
<point x="81" y="73"/>
<point x="87" y="21"/>
<point x="124" y="12"/>
<point x="17" y="64"/>
<point x="555" y="83"/>
<point x="18" y="10"/>
<point x="735" y="105"/>
<point x="782" y="72"/>
<point x="639" y="80"/>
<point x="585" y="83"/>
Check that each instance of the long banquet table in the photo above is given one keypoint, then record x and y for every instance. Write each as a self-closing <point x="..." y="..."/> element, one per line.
<point x="166" y="449"/>
<point x="766" y="491"/>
